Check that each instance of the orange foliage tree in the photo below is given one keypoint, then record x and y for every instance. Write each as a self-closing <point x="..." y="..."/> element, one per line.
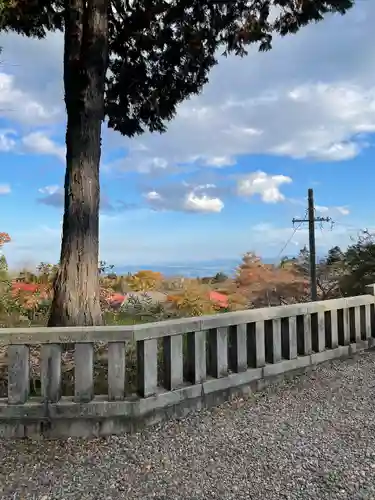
<point x="4" y="238"/>
<point x="266" y="284"/>
<point x="142" y="281"/>
<point x="193" y="301"/>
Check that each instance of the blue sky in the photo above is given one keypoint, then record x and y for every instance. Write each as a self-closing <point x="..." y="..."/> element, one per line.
<point x="232" y="170"/>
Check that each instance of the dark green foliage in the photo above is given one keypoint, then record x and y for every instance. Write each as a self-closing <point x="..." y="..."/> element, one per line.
<point x="161" y="52"/>
<point x="303" y="261"/>
<point x="334" y="256"/>
<point x="220" y="277"/>
<point x="33" y="18"/>
<point x="359" y="264"/>
<point x="348" y="272"/>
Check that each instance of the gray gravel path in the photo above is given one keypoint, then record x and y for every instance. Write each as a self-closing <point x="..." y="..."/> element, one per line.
<point x="310" y="439"/>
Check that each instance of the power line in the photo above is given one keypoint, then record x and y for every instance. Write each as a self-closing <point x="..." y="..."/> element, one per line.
<point x="289" y="240"/>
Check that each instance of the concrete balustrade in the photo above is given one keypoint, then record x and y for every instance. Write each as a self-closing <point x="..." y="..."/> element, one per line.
<point x="181" y="365"/>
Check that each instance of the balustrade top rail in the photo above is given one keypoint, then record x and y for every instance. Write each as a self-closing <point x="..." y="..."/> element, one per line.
<point x="121" y="333"/>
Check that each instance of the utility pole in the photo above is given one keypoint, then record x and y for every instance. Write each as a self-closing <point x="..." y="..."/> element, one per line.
<point x="312" y="251"/>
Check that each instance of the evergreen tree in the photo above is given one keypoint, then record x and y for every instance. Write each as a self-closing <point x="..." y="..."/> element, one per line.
<point x="134" y="61"/>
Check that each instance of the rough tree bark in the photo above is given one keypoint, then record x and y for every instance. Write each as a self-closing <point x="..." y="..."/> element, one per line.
<point x="76" y="299"/>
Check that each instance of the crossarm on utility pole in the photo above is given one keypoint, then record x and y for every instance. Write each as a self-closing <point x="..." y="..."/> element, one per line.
<point x="312" y="250"/>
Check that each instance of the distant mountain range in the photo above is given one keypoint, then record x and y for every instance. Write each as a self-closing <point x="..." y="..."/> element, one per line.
<point x="189" y="269"/>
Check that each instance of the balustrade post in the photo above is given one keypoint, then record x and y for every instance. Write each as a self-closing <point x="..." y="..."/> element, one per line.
<point x="238" y="348"/>
<point x="256" y="344"/>
<point x="196" y="369"/>
<point x="116" y="371"/>
<point x="83" y="372"/>
<point x="18" y="374"/>
<point x="173" y="361"/>
<point x="147" y="366"/>
<point x="346" y="326"/>
<point x="319" y="336"/>
<point x="274" y="341"/>
<point x="334" y="330"/>
<point x="368" y="320"/>
<point x="289" y="337"/>
<point x="307" y="334"/>
<point x="218" y="352"/>
<point x="51" y="372"/>
<point x="357" y="324"/>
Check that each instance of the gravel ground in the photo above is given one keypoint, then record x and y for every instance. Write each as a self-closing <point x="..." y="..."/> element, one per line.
<point x="312" y="438"/>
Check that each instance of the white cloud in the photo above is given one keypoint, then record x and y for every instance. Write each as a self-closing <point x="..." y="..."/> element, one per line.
<point x="153" y="195"/>
<point x="264" y="185"/>
<point x="49" y="190"/>
<point x="312" y="96"/>
<point x="321" y="209"/>
<point x="186" y="198"/>
<point x="332" y="152"/>
<point x="140" y="162"/>
<point x="52" y="196"/>
<point x="5" y="189"/>
<point x="219" y="161"/>
<point x="39" y="143"/>
<point x="7" y="140"/>
<point x="202" y="203"/>
<point x="343" y="210"/>
<point x="327" y="122"/>
<point x="19" y="106"/>
<point x="332" y="211"/>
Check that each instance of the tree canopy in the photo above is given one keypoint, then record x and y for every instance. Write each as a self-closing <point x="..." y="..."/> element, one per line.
<point x="342" y="272"/>
<point x="160" y="52"/>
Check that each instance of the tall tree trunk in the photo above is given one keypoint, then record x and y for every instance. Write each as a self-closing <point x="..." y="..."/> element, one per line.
<point x="76" y="299"/>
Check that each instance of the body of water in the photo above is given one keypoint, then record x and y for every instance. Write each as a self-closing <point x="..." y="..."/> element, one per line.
<point x="189" y="269"/>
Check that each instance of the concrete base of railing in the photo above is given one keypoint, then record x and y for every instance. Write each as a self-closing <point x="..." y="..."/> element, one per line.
<point x="101" y="417"/>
